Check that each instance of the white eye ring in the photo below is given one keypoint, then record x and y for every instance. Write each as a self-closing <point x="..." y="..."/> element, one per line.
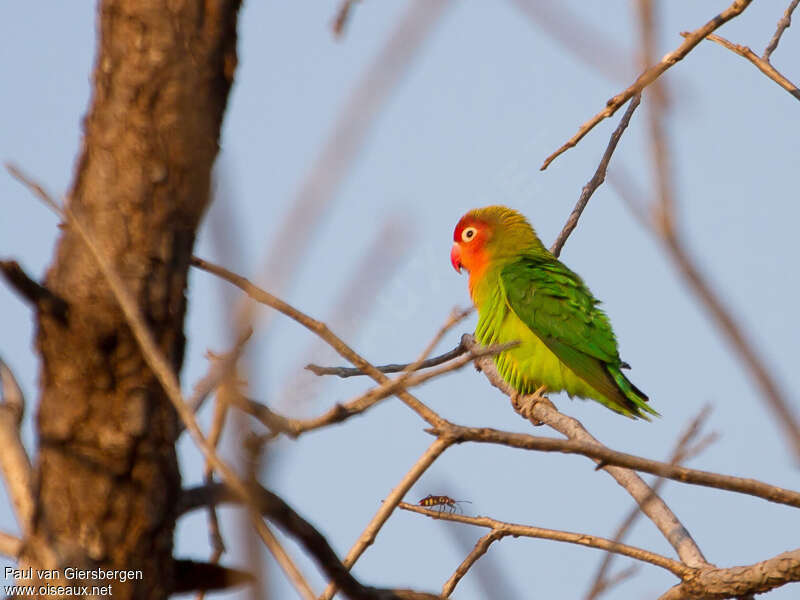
<point x="468" y="234"/>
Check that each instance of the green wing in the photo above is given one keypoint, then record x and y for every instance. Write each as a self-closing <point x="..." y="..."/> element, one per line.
<point x="558" y="307"/>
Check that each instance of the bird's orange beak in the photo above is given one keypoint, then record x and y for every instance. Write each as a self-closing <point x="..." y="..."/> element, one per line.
<point x="455" y="257"/>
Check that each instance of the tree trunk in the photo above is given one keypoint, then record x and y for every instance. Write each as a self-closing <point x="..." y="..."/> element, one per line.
<point x="107" y="477"/>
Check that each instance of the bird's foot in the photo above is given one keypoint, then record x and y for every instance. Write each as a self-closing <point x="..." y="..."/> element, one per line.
<point x="525" y="405"/>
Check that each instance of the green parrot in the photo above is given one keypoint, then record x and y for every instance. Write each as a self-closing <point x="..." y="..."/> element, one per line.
<point x="523" y="293"/>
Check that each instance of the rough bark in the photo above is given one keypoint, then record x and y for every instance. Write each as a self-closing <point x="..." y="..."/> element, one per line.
<point x="107" y="477"/>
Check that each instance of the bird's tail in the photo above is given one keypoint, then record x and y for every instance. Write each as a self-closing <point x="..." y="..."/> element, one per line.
<point x="635" y="400"/>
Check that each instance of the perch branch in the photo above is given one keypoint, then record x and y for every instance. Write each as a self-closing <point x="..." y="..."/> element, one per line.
<point x="653" y="506"/>
<point x="651" y="74"/>
<point x="761" y="64"/>
<point x="673" y="566"/>
<point x="597" y="179"/>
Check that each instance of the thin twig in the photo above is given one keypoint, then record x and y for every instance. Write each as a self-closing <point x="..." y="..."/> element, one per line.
<point x="651" y="74"/>
<point x="614" y="580"/>
<point x="582" y="539"/>
<point x="345" y="372"/>
<point x="317" y="327"/>
<point x="783" y="24"/>
<point x="597" y="179"/>
<point x="680" y="453"/>
<point x="15" y="465"/>
<point x="276" y="510"/>
<point x="10" y="545"/>
<point x="481" y="547"/>
<point x="354" y="303"/>
<point x="340" y="412"/>
<point x="285" y="561"/>
<point x="342" y="17"/>
<point x="220" y="367"/>
<point x="388" y="506"/>
<point x="761" y="64"/>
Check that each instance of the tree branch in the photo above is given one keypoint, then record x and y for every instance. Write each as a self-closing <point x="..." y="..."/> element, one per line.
<point x="278" y="511"/>
<point x="481" y="547"/>
<point x="597" y="179"/>
<point x="761" y="64"/>
<point x="341" y="412"/>
<point x="653" y="506"/>
<point x="33" y="291"/>
<point x="651" y="74"/>
<point x="345" y="372"/>
<point x="680" y="453"/>
<point x="738" y="582"/>
<point x="388" y="505"/>
<point x="15" y="466"/>
<point x="317" y="327"/>
<point x="582" y="539"/>
<point x="10" y="545"/>
<point x="783" y="24"/>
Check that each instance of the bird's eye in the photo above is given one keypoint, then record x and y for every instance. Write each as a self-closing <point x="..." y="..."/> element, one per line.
<point x="468" y="234"/>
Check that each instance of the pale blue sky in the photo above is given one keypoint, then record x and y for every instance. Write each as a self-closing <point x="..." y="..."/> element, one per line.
<point x="487" y="99"/>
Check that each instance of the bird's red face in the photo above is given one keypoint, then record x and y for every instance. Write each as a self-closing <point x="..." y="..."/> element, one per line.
<point x="469" y="246"/>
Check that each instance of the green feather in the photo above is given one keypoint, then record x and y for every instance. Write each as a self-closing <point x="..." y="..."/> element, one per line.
<point x="566" y="341"/>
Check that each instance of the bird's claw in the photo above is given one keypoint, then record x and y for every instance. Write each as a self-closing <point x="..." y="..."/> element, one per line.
<point x="524" y="405"/>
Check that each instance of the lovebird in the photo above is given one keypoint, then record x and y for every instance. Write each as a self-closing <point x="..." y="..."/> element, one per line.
<point x="525" y="294"/>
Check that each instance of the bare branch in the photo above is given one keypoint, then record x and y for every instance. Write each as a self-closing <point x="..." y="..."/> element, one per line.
<point x="593" y="449"/>
<point x="283" y="559"/>
<point x="582" y="539"/>
<point x="597" y="179"/>
<point x="340" y="412"/>
<point x="10" y="545"/>
<point x="276" y="510"/>
<point x="342" y="16"/>
<point x="783" y="25"/>
<point x="219" y="368"/>
<point x="15" y="466"/>
<point x="345" y="372"/>
<point x="33" y="291"/>
<point x="481" y="547"/>
<point x="388" y="505"/>
<point x="762" y="65"/>
<point x="651" y="74"/>
<point x="680" y="453"/>
<point x="738" y="582"/>
<point x="542" y="410"/>
<point x="317" y="327"/>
